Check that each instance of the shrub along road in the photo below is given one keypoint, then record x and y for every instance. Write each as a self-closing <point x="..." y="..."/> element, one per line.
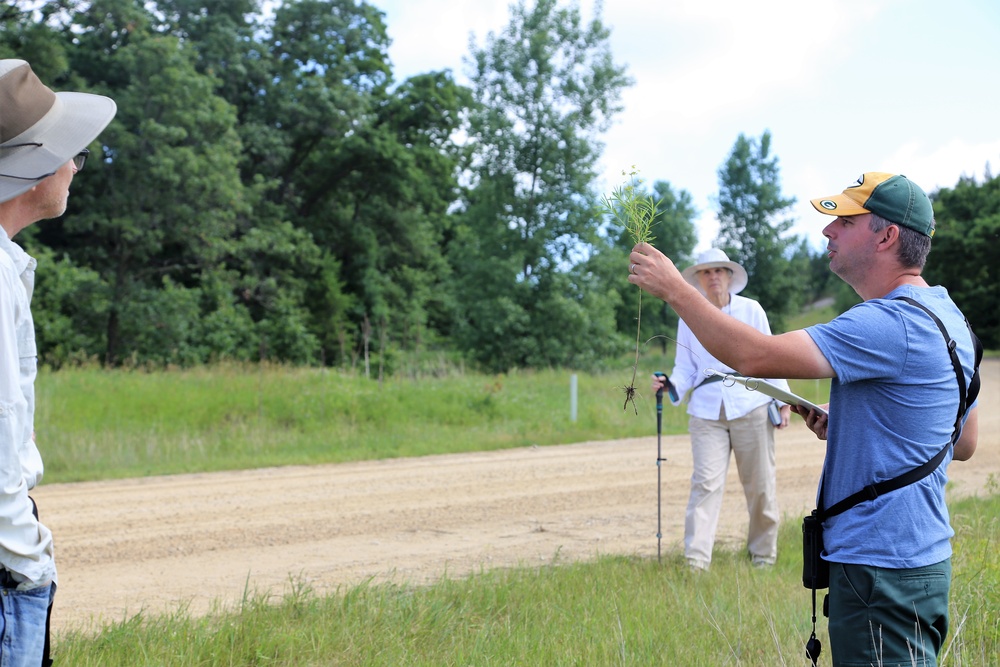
<point x="158" y="544"/>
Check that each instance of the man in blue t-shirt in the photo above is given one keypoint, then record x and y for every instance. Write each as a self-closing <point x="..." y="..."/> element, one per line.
<point x="893" y="404"/>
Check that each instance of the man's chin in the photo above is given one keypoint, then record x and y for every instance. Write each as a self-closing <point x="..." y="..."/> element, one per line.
<point x="56" y="212"/>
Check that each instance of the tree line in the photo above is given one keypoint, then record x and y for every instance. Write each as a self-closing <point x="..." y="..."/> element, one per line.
<point x="269" y="190"/>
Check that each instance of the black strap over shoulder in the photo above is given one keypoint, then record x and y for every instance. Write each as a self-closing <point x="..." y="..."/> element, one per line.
<point x="966" y="398"/>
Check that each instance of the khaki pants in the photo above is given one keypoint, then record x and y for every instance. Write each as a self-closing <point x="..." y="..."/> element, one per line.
<point x="751" y="440"/>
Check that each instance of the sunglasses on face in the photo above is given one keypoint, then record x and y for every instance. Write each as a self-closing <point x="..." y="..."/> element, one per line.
<point x="80" y="159"/>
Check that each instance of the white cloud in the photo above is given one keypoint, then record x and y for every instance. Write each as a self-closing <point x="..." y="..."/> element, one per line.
<point x="941" y="166"/>
<point x="844" y="87"/>
<point x="434" y="34"/>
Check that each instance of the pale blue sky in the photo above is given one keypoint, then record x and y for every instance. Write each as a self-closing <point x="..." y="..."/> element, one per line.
<point x="844" y="86"/>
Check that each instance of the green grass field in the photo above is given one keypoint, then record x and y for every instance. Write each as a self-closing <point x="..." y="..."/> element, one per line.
<point x="94" y="423"/>
<point x="99" y="424"/>
<point x="615" y="611"/>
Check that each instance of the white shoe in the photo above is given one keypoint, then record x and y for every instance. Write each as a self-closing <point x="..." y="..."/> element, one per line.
<point x="696" y="565"/>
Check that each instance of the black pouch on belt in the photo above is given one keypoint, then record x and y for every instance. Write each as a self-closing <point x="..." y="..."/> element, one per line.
<point x="815" y="570"/>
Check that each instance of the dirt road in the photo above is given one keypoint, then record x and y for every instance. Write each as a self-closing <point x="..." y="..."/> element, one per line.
<point x="153" y="544"/>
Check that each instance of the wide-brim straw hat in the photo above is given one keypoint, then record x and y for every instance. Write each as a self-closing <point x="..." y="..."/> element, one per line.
<point x="41" y="130"/>
<point x="715" y="258"/>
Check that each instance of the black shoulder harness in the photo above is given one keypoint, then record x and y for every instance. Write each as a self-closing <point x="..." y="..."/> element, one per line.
<point x="967" y="397"/>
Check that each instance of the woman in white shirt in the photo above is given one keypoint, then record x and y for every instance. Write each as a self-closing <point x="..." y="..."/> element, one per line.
<point x="725" y="418"/>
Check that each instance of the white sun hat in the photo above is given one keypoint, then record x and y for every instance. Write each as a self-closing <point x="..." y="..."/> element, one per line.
<point x="715" y="258"/>
<point x="41" y="130"/>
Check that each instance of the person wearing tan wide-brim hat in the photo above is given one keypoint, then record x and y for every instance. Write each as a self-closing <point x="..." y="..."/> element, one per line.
<point x="43" y="144"/>
<point x="725" y="420"/>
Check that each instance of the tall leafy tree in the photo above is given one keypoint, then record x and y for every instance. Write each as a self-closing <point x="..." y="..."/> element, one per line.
<point x="265" y="190"/>
<point x="385" y="216"/>
<point x="365" y="167"/>
<point x="544" y="89"/>
<point x="171" y="199"/>
<point x="335" y="158"/>
<point x="162" y="191"/>
<point x="965" y="255"/>
<point x="26" y="32"/>
<point x="276" y="274"/>
<point x="753" y="224"/>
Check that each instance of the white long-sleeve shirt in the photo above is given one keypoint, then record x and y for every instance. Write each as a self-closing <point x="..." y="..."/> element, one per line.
<point x="25" y="544"/>
<point x="692" y="360"/>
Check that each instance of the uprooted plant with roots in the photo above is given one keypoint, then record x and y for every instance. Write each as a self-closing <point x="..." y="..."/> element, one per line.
<point x="636" y="211"/>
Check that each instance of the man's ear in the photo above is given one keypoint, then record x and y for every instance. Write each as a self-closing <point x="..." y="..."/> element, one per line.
<point x="887" y="238"/>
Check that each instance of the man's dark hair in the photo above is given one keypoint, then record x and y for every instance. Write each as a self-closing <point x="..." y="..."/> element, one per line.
<point x="913" y="246"/>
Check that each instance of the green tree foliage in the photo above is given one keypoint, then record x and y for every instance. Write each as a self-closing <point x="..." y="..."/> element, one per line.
<point x="70" y="306"/>
<point x="965" y="252"/>
<point x="157" y="213"/>
<point x="319" y="70"/>
<point x="26" y="33"/>
<point x="265" y="190"/>
<point x="544" y="89"/>
<point x="367" y="172"/>
<point x="269" y="190"/>
<point x="752" y="229"/>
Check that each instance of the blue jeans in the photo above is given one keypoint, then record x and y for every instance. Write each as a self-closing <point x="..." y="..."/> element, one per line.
<point x="22" y="625"/>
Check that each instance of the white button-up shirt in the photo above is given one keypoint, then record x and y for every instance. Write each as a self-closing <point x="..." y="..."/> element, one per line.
<point x="25" y="544"/>
<point x="692" y="360"/>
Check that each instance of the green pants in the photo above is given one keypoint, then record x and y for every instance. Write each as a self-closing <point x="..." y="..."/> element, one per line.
<point x="887" y="617"/>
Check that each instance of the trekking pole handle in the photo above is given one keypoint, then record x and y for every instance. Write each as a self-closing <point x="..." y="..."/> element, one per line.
<point x="668" y="385"/>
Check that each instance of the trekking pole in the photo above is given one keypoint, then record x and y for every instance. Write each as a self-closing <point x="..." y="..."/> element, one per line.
<point x="659" y="459"/>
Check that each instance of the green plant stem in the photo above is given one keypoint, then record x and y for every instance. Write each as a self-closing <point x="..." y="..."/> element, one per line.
<point x="636" y="212"/>
<point x="638" y="329"/>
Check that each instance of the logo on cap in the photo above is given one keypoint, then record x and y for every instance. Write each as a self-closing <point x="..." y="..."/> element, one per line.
<point x="828" y="205"/>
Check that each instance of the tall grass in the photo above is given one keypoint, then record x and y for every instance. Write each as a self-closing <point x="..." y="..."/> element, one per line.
<point x="615" y="611"/>
<point x="94" y="423"/>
